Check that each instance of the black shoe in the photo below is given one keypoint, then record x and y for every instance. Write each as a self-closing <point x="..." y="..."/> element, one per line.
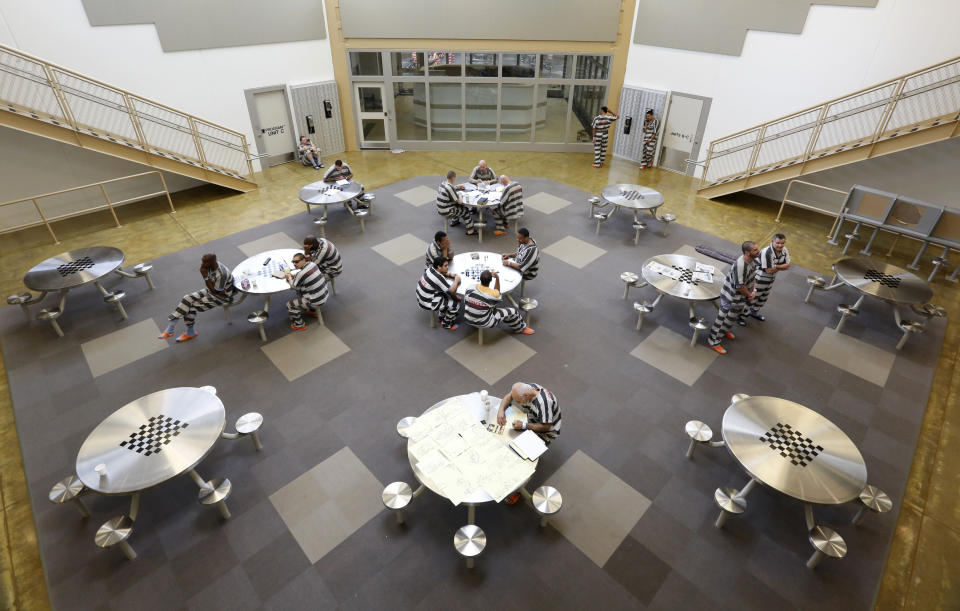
<point x="454" y="222"/>
<point x="321" y="165"/>
<point x="756" y="314"/>
<point x="742" y="322"/>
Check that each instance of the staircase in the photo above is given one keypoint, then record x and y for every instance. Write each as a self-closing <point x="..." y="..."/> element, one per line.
<point x="44" y="99"/>
<point x="916" y="109"/>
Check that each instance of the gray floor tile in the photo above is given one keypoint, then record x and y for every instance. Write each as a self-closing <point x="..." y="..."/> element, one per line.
<point x="672" y="354"/>
<point x="232" y="589"/>
<point x="301" y="352"/>
<point x="500" y="354"/>
<point x="574" y="251"/>
<point x="545" y="203"/>
<point x="273" y="241"/>
<point x="419" y="195"/>
<point x="854" y="356"/>
<point x="128" y="345"/>
<point x="402" y="249"/>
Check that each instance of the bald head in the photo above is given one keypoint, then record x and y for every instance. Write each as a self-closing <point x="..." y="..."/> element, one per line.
<point x="482" y="164"/>
<point x="523" y="393"/>
<point x="504" y="180"/>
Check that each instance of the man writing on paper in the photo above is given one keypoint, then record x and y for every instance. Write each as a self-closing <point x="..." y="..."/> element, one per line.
<point x="539" y="404"/>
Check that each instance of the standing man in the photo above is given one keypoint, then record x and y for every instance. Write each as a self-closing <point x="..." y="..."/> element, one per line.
<point x="527" y="258"/>
<point x="437" y="291"/>
<point x="439" y="248"/>
<point x="511" y="205"/>
<point x="598" y="130"/>
<point x="218" y="292"/>
<point x="449" y="205"/>
<point x="480" y="307"/>
<point x="322" y="252"/>
<point x="650" y="128"/>
<point x="309" y="153"/>
<point x="773" y="258"/>
<point x="739" y="287"/>
<point x="482" y="174"/>
<point x="312" y="292"/>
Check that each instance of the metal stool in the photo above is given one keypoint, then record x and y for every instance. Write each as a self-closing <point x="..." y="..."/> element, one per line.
<point x="699" y="433"/>
<point x="115" y="298"/>
<point x="826" y="542"/>
<point x="630" y="281"/>
<point x="909" y="327"/>
<point x="258" y="317"/>
<point x="815" y="282"/>
<point x="851" y="237"/>
<point x="404" y="424"/>
<point x="547" y="502"/>
<point x="479" y="228"/>
<point x="143" y="270"/>
<point x="479" y="335"/>
<point x="333" y="284"/>
<point x="22" y="300"/>
<point x="446" y="222"/>
<point x="523" y="285"/>
<point x="248" y="425"/>
<point x="875" y="500"/>
<point x="215" y="492"/>
<point x="528" y="305"/>
<point x="360" y="214"/>
<point x="396" y="497"/>
<point x="593" y="201"/>
<point x="729" y="502"/>
<point x="641" y="308"/>
<point x="698" y="324"/>
<point x="321" y="224"/>
<point x="51" y="316"/>
<point x="433" y="321"/>
<point x="638" y="226"/>
<point x="368" y="200"/>
<point x="516" y="222"/>
<point x="737" y="398"/>
<point x="928" y="310"/>
<point x="666" y="219"/>
<point x="469" y="542"/>
<point x="69" y="490"/>
<point x="846" y="311"/>
<point x="116" y="531"/>
<point x="603" y="216"/>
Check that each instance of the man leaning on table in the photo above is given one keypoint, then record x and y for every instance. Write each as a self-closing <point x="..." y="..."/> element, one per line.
<point x="542" y="410"/>
<point x="482" y="174"/>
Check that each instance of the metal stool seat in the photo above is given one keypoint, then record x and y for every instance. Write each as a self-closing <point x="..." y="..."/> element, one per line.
<point x="603" y="216"/>
<point x="469" y="542"/>
<point x="23" y="300"/>
<point x="846" y="311"/>
<point x="815" y="282"/>
<point x="547" y="502"/>
<point x="593" y="201"/>
<point x="249" y="425"/>
<point x="641" y="308"/>
<point x="115" y="298"/>
<point x="396" y="497"/>
<point x="360" y="214"/>
<point x="729" y="502"/>
<point x="666" y="219"/>
<point x="875" y="500"/>
<point x="142" y="270"/>
<point x="368" y="199"/>
<point x="826" y="542"/>
<point x="68" y="490"/>
<point x="928" y="310"/>
<point x="909" y="327"/>
<point x="258" y="317"/>
<point x="630" y="280"/>
<point x="938" y="262"/>
<point x="638" y="226"/>
<point x="698" y="324"/>
<point x="528" y="305"/>
<point x="116" y="531"/>
<point x="321" y="224"/>
<point x="404" y="424"/>
<point x="737" y="398"/>
<point x="216" y="492"/>
<point x="699" y="433"/>
<point x="51" y="316"/>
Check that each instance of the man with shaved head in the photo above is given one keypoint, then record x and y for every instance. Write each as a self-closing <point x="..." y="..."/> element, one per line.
<point x="739" y="289"/>
<point x="511" y="205"/>
<point x="482" y="174"/>
<point x="542" y="410"/>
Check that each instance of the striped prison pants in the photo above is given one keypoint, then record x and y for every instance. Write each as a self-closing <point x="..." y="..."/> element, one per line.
<point x="462" y="213"/>
<point x="599" y="148"/>
<point x="297" y="306"/>
<point x="728" y="313"/>
<point x="508" y="316"/>
<point x="447" y="308"/>
<point x="199" y="301"/>
<point x="764" y="284"/>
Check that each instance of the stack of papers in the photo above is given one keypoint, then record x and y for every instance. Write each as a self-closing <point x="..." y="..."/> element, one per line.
<point x="529" y="445"/>
<point x="663" y="270"/>
<point x="342" y="182"/>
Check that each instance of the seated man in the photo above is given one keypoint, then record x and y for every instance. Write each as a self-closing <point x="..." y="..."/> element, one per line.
<point x="543" y="415"/>
<point x="482" y="174"/>
<point x="309" y="154"/>
<point x="449" y="205"/>
<point x="480" y="306"/>
<point x="439" y="248"/>
<point x="312" y="292"/>
<point x="338" y="171"/>
<point x="437" y="291"/>
<point x="511" y="205"/>
<point x="219" y="291"/>
<point x="322" y="252"/>
<point x="527" y="258"/>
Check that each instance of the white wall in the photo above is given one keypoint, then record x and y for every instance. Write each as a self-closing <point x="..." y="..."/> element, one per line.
<point x="841" y="50"/>
<point x="207" y="83"/>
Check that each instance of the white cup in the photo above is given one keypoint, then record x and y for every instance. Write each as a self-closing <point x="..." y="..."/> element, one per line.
<point x="483" y="397"/>
<point x="101" y="470"/>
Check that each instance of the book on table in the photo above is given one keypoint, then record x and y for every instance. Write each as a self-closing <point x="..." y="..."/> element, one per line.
<point x="528" y="445"/>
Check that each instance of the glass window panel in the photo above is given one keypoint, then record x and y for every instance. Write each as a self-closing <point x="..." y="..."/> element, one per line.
<point x="552" y="116"/>
<point x="443" y="63"/>
<point x="371" y="99"/>
<point x="593" y="66"/>
<point x="445" y="109"/>
<point x="519" y="65"/>
<point x="482" y="111"/>
<point x="556" y="66"/>
<point x="516" y="111"/>
<point x="406" y="63"/>
<point x="410" y="109"/>
<point x="587" y="100"/>
<point x="365" y="63"/>
<point x="481" y="64"/>
<point x="373" y="130"/>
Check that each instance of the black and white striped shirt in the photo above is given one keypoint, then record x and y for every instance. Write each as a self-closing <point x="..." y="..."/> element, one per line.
<point x="602" y="123"/>
<point x="544" y="409"/>
<point x="327" y="258"/>
<point x="528" y="258"/>
<point x="511" y="201"/>
<point x="221" y="279"/>
<point x="335" y="173"/>
<point x="310" y="283"/>
<point x="431" y="288"/>
<point x="478" y="175"/>
<point x="769" y="258"/>
<point x="479" y="307"/>
<point x="446" y="198"/>
<point x="741" y="274"/>
<point x="433" y="251"/>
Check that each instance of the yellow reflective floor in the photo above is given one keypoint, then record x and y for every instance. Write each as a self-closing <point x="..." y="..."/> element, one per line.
<point x="925" y="556"/>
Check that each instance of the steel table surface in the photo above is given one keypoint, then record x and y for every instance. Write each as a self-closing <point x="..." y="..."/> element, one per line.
<point x="254" y="270"/>
<point x="473" y="193"/>
<point x="473" y="404"/>
<point x="822" y="465"/>
<point x="324" y="193"/>
<point x="73" y="268"/>
<point x="635" y="197"/>
<point x="509" y="277"/>
<point x="883" y="281"/>
<point x="201" y="418"/>
<point x="686" y="287"/>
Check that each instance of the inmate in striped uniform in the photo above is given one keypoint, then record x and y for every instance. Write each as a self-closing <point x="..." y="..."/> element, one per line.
<point x="511" y="206"/>
<point x="650" y="128"/>
<point x="544" y="409"/>
<point x="448" y="205"/>
<point x="601" y="126"/>
<point x="327" y="258"/>
<point x="742" y="273"/>
<point x="312" y="292"/>
<point x="334" y="173"/>
<point x="480" y="310"/>
<point x="203" y="300"/>
<point x="479" y="175"/>
<point x="769" y="257"/>
<point x="433" y="294"/>
<point x="528" y="259"/>
<point x="433" y="252"/>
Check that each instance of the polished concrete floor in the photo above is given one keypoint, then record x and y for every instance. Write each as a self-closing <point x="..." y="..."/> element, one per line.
<point x="925" y="550"/>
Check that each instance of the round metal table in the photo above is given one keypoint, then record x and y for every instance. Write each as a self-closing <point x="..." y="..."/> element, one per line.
<point x="470" y="269"/>
<point x="258" y="272"/>
<point x="883" y="281"/>
<point x="151" y="440"/>
<point x="634" y="197"/>
<point x="325" y="193"/>
<point x="686" y="287"/>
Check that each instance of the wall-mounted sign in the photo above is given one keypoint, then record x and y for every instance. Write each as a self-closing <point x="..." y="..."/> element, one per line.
<point x="276" y="130"/>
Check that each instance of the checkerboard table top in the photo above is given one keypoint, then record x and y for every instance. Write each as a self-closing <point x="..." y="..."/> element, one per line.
<point x="73" y="268"/>
<point x="882" y="280"/>
<point x="471" y="264"/>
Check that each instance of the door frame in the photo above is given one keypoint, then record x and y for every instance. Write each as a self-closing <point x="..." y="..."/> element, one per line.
<point x="698" y="135"/>
<point x="386" y="100"/>
<point x="257" y="130"/>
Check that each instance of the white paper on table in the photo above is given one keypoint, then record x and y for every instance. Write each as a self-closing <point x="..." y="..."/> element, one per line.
<point x="421" y="449"/>
<point x="498" y="486"/>
<point x="703" y="277"/>
<point x="529" y="444"/>
<point x="452" y="446"/>
<point x="703" y="267"/>
<point x="343" y="182"/>
<point x="474" y="434"/>
<point x="452" y="484"/>
<point x="432" y="462"/>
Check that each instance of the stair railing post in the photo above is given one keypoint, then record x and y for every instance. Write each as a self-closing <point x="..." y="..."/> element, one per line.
<point x="196" y="140"/>
<point x="45" y="221"/>
<point x="106" y="197"/>
<point x="815" y="135"/>
<point x="135" y="120"/>
<point x="756" y="150"/>
<point x="706" y="166"/>
<point x="167" y="191"/>
<point x="246" y="154"/>
<point x="888" y="111"/>
<point x="61" y="98"/>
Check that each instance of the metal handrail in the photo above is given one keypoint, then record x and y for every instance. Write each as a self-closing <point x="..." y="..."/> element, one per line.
<point x="59" y="86"/>
<point x="927" y="97"/>
<point x="108" y="203"/>
<point x="787" y="200"/>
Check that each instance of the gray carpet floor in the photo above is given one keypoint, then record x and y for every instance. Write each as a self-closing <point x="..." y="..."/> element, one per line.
<point x="308" y="530"/>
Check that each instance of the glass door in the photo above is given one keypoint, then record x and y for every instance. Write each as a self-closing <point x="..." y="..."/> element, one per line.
<point x="372" y="117"/>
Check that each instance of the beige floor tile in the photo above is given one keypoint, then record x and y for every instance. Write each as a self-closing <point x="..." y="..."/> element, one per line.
<point x="500" y="354"/>
<point x="114" y="350"/>
<point x="271" y="242"/>
<point x="318" y="342"/>
<point x="545" y="203"/>
<point x="672" y="354"/>
<point x="574" y="251"/>
<point x="418" y="196"/>
<point x="402" y="249"/>
<point x="854" y="356"/>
